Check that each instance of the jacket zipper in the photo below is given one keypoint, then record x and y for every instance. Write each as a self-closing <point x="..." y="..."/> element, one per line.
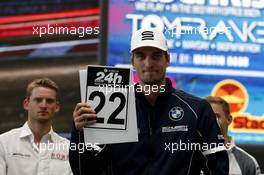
<point x="149" y="123"/>
<point x="150" y="118"/>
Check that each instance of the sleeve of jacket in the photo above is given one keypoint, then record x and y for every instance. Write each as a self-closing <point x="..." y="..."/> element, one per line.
<point x="251" y="166"/>
<point x="83" y="158"/>
<point x="212" y="141"/>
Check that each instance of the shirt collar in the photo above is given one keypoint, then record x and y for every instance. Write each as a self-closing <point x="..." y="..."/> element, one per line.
<point x="26" y="132"/>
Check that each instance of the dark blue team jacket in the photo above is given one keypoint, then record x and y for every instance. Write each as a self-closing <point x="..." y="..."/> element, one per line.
<point x="168" y="133"/>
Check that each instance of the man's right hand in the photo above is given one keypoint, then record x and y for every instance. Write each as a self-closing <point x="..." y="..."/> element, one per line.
<point x="83" y="115"/>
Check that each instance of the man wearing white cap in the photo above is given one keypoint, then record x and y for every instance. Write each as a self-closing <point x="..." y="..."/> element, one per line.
<point x="178" y="133"/>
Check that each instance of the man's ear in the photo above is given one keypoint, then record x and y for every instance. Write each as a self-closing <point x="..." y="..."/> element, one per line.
<point x="229" y="119"/>
<point x="132" y="59"/>
<point x="57" y="107"/>
<point x="25" y="103"/>
<point x="168" y="59"/>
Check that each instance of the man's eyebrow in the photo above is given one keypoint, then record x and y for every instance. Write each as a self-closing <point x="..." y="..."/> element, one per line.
<point x="138" y="52"/>
<point x="157" y="52"/>
<point x="43" y="98"/>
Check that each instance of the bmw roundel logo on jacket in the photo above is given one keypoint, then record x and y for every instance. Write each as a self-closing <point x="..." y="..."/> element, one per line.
<point x="176" y="113"/>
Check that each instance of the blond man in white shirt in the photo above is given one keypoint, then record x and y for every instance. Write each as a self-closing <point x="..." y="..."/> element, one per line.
<point x="35" y="149"/>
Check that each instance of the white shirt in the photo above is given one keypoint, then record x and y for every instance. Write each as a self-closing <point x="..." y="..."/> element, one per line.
<point x="240" y="162"/>
<point x="234" y="168"/>
<point x="19" y="155"/>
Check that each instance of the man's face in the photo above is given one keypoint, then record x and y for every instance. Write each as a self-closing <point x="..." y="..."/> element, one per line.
<point x="42" y="104"/>
<point x="150" y="64"/>
<point x="223" y="120"/>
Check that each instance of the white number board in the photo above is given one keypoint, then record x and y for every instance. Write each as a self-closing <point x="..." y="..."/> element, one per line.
<point x="109" y="90"/>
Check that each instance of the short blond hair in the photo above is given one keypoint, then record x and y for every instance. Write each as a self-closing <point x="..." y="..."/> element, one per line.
<point x="42" y="82"/>
<point x="220" y="101"/>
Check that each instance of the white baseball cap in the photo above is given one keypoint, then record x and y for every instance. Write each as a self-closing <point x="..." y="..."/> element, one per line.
<point x="148" y="37"/>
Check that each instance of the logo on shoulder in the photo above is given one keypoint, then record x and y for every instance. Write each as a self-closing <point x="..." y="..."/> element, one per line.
<point x="176" y="113"/>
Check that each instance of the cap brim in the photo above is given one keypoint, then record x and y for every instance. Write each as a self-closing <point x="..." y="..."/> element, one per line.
<point x="148" y="45"/>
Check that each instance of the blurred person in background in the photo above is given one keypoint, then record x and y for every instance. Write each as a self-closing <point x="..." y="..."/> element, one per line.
<point x="35" y="148"/>
<point x="240" y="162"/>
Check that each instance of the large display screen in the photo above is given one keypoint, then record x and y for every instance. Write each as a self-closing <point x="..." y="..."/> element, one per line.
<point x="44" y="38"/>
<point x="47" y="28"/>
<point x="216" y="48"/>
